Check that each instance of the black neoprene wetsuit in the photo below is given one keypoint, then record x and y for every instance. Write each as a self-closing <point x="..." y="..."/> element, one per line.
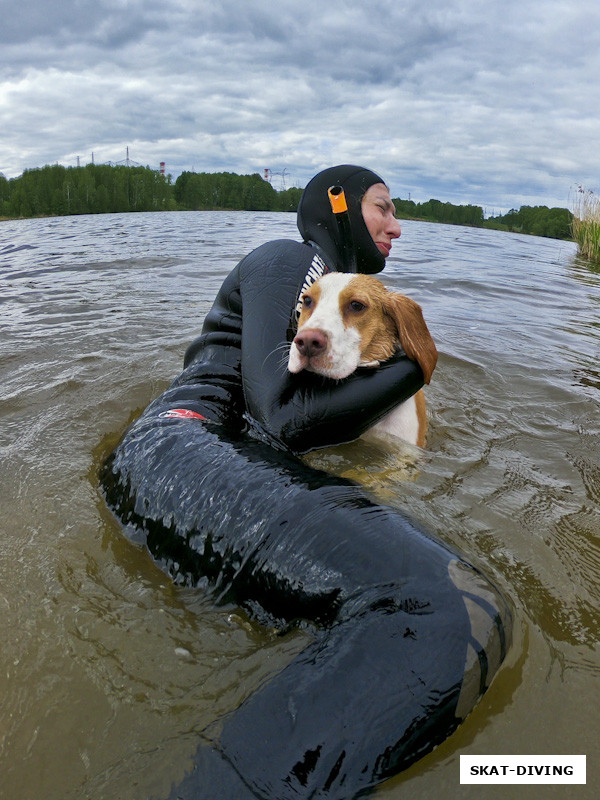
<point x="407" y="635"/>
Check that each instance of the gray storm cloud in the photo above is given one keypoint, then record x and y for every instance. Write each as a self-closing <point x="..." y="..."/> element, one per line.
<point x="493" y="104"/>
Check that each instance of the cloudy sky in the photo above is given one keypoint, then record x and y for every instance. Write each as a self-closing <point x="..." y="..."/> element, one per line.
<point x="467" y="101"/>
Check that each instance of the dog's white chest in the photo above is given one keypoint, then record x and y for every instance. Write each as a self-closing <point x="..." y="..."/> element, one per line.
<point x="402" y="422"/>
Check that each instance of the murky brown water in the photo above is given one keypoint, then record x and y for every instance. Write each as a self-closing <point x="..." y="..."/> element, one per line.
<point x="107" y="671"/>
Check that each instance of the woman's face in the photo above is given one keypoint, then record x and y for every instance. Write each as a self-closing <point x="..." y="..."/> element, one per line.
<point x="379" y="214"/>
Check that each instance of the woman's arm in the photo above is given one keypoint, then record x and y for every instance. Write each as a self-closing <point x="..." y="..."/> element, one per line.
<point x="304" y="411"/>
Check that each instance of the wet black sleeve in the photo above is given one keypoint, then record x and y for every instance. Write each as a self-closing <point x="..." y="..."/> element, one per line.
<point x="406" y="636"/>
<point x="304" y="411"/>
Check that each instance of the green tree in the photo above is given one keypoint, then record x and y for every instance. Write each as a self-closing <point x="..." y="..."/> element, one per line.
<point x="4" y="196"/>
<point x="288" y="199"/>
<point x="555" y="223"/>
<point x="225" y="190"/>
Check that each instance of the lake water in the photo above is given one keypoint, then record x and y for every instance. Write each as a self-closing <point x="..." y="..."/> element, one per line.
<point x="107" y="671"/>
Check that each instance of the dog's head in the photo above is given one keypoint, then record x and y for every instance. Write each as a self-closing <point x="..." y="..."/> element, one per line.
<point x="352" y="320"/>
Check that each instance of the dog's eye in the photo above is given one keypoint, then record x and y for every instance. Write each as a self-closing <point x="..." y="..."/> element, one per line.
<point x="307" y="301"/>
<point x="356" y="306"/>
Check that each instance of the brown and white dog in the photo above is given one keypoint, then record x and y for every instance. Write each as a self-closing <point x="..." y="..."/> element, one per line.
<point x="351" y="320"/>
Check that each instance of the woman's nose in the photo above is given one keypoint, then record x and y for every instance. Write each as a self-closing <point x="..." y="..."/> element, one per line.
<point x="394" y="229"/>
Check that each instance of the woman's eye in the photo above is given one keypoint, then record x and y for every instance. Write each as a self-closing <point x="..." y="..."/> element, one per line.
<point x="356" y="305"/>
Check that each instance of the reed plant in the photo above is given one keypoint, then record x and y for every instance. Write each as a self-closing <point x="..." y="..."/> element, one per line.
<point x="586" y="224"/>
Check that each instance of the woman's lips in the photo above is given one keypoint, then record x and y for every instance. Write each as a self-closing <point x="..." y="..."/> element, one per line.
<point x="384" y="248"/>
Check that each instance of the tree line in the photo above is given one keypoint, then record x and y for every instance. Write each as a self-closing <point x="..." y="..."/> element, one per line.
<point x="436" y="211"/>
<point x="95" y="189"/>
<point x="555" y="223"/>
<point x="198" y="191"/>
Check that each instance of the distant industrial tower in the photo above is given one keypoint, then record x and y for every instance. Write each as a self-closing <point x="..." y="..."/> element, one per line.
<point x="269" y="175"/>
<point x="127" y="162"/>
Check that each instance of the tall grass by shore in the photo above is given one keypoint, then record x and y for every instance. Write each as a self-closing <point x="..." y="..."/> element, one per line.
<point x="586" y="224"/>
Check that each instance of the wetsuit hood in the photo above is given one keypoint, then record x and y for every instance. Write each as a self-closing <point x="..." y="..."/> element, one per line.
<point x="317" y="223"/>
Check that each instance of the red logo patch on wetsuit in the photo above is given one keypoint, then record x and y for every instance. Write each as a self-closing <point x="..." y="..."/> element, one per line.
<point x="181" y="413"/>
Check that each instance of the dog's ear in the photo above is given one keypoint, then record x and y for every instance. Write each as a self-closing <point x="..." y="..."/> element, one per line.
<point x="413" y="332"/>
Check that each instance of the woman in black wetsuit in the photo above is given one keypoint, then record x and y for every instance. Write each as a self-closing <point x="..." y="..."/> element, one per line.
<point x="407" y="635"/>
<point x="246" y="361"/>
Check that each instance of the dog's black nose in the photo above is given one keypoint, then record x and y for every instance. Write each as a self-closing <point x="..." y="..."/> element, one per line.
<point x="311" y="342"/>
